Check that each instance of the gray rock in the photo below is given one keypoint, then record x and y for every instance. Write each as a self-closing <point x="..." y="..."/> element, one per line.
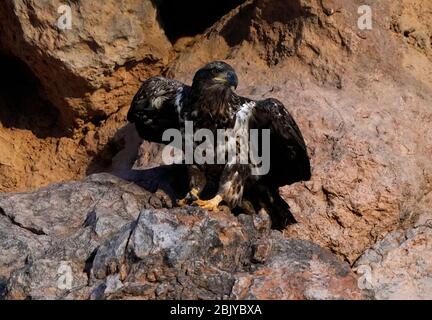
<point x="399" y="266"/>
<point x="106" y="238"/>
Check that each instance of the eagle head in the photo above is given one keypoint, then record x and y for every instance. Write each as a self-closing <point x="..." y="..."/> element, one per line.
<point x="216" y="74"/>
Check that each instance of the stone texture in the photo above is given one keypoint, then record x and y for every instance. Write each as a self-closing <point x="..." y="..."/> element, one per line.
<point x="93" y="68"/>
<point x="114" y="243"/>
<point x="355" y="95"/>
<point x="84" y="79"/>
<point x="399" y="266"/>
<point x="361" y="98"/>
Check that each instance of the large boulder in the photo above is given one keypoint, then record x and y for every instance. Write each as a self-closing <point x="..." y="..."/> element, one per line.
<point x="106" y="238"/>
<point x="64" y="91"/>
<point x="361" y="98"/>
<point x="90" y="70"/>
<point x="399" y="266"/>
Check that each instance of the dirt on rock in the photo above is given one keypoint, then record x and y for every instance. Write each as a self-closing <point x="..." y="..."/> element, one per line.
<point x="86" y="74"/>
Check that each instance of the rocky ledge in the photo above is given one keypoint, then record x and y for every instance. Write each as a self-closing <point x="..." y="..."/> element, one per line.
<point x="107" y="238"/>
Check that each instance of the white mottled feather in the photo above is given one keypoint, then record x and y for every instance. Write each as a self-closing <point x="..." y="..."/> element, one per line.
<point x="240" y="131"/>
<point x="158" y="102"/>
<point x="179" y="99"/>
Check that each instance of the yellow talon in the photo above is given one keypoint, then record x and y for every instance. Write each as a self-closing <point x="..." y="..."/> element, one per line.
<point x="210" y="205"/>
<point x="195" y="192"/>
<point x="190" y="197"/>
<point x="182" y="202"/>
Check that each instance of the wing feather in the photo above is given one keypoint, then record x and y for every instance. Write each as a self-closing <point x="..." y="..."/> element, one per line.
<point x="289" y="160"/>
<point x="156" y="107"/>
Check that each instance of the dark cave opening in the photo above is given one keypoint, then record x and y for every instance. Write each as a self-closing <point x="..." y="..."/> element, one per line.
<point x="22" y="101"/>
<point x="191" y="17"/>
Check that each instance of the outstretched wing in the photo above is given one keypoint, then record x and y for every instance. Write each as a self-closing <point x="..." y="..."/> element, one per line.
<point x="289" y="160"/>
<point x="156" y="107"/>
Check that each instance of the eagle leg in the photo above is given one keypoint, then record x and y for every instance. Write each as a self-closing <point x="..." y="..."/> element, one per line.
<point x="210" y="205"/>
<point x="191" y="196"/>
<point x="197" y="183"/>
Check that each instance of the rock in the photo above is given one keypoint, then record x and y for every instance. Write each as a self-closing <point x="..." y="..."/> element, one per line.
<point x="48" y="279"/>
<point x="17" y="244"/>
<point x="46" y="212"/>
<point x="147" y="253"/>
<point x="299" y="270"/>
<point x="361" y="98"/>
<point x="66" y="90"/>
<point x="93" y="68"/>
<point x="399" y="266"/>
<point x="371" y="168"/>
<point x="65" y="93"/>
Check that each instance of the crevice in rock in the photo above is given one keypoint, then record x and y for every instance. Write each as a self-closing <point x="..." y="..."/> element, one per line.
<point x="89" y="264"/>
<point x="3" y="288"/>
<point x="15" y="223"/>
<point x="191" y="17"/>
<point x="98" y="119"/>
<point x="22" y="101"/>
<point x="90" y="220"/>
<point x="126" y="252"/>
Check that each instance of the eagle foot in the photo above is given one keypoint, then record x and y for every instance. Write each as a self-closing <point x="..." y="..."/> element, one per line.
<point x="190" y="198"/>
<point x="210" y="205"/>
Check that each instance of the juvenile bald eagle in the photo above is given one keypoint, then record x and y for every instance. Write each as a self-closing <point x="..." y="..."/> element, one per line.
<point x="211" y="103"/>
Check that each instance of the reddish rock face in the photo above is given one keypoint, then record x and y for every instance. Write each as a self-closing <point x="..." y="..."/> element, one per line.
<point x="88" y="74"/>
<point x="286" y="284"/>
<point x="355" y="99"/>
<point x="92" y="68"/>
